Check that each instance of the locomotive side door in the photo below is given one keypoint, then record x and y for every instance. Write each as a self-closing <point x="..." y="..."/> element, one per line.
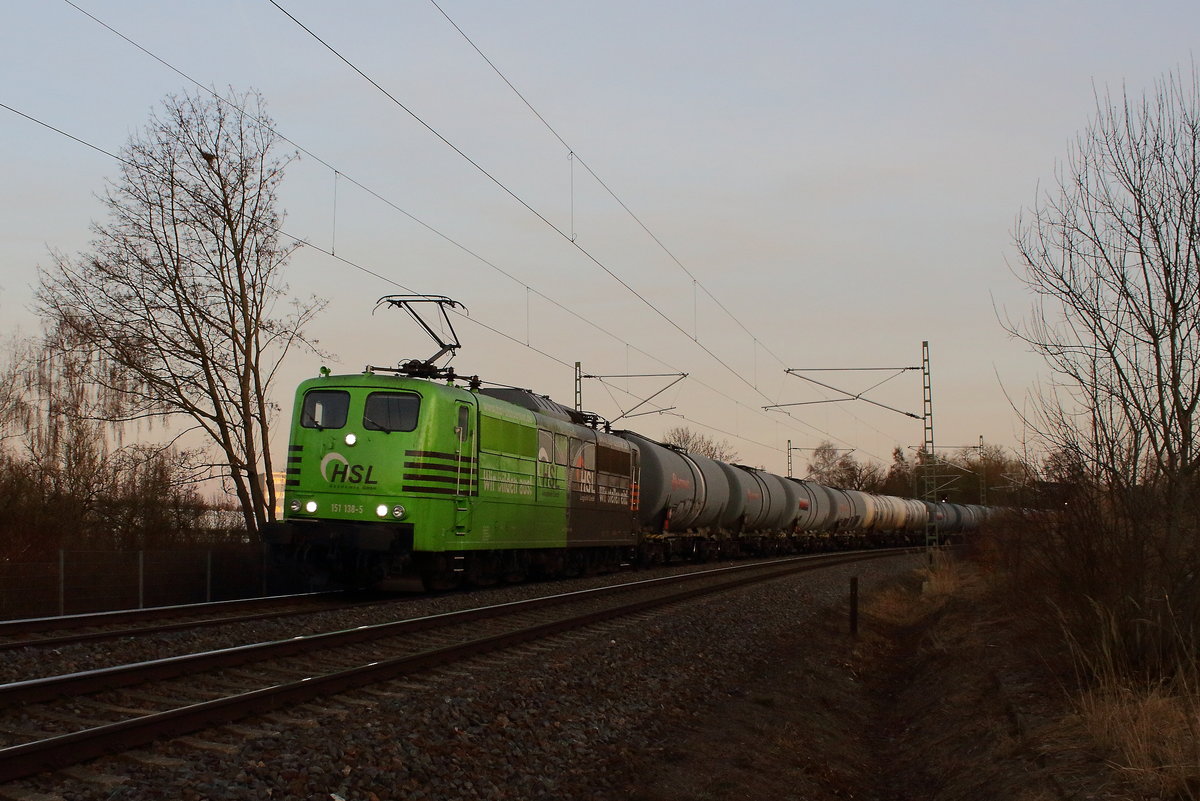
<point x="467" y="467"/>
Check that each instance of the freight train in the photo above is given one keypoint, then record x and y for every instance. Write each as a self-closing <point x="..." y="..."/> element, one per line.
<point x="415" y="477"/>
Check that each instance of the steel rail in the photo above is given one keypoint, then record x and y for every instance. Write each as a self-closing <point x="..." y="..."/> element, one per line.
<point x="182" y="625"/>
<point x="100" y="679"/>
<point x="59" y="751"/>
<point x="58" y="622"/>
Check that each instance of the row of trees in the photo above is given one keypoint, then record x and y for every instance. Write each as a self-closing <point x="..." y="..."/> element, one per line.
<point x="971" y="475"/>
<point x="177" y="318"/>
<point x="68" y="478"/>
<point x="988" y="475"/>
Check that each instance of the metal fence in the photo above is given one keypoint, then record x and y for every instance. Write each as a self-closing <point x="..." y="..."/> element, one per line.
<point x="78" y="582"/>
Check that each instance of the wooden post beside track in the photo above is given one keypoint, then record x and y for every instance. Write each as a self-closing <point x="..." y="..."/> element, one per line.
<point x="854" y="605"/>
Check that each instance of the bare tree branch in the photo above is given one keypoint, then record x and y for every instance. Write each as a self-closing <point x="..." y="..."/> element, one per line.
<point x="177" y="297"/>
<point x="695" y="442"/>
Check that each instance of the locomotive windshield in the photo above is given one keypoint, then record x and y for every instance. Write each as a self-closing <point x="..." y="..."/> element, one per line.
<point x="325" y="409"/>
<point x="391" y="411"/>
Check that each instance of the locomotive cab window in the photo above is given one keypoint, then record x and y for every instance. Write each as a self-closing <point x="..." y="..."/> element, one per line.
<point x="464" y="421"/>
<point x="325" y="409"/>
<point x="391" y="411"/>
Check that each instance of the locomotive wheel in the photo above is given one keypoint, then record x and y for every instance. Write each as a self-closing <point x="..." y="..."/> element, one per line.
<point x="483" y="568"/>
<point x="435" y="570"/>
<point x="516" y="565"/>
<point x="651" y="554"/>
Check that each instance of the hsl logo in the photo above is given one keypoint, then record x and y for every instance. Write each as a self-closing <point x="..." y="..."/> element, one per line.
<point x="336" y="469"/>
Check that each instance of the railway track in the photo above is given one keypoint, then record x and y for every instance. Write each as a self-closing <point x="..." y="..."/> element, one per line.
<point x="49" y="723"/>
<point x="44" y="632"/>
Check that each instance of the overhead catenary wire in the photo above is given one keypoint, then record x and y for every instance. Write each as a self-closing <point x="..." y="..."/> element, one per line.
<point x="388" y="280"/>
<point x="564" y="234"/>
<point x="574" y="155"/>
<point x="568" y="236"/>
<point x="340" y="175"/>
<point x="276" y="229"/>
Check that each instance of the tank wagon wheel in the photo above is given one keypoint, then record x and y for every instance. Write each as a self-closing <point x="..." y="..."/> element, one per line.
<point x="650" y="554"/>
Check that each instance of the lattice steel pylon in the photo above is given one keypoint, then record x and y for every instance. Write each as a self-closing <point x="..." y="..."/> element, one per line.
<point x="929" y="472"/>
<point x="578" y="386"/>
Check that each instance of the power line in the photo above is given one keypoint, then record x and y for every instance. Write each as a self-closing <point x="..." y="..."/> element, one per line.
<point x="566" y="236"/>
<point x="454" y="242"/>
<point x="574" y="154"/>
<point x="371" y="191"/>
<point x="445" y="237"/>
<point x="575" y="157"/>
<point x="361" y="268"/>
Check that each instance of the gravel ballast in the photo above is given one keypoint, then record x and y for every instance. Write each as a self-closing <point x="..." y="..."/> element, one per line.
<point x="35" y="662"/>
<point x="558" y="720"/>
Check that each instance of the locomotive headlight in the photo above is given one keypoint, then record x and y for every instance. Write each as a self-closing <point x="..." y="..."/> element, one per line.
<point x="310" y="507"/>
<point x="351" y="439"/>
<point x="381" y="510"/>
<point x="294" y="505"/>
<point x="397" y="511"/>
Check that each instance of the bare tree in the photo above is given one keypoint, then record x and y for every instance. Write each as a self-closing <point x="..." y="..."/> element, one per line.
<point x="695" y="442"/>
<point x="178" y="298"/>
<point x="12" y="409"/>
<point x="837" y="468"/>
<point x="900" y="478"/>
<point x="1112" y="255"/>
<point x="67" y="478"/>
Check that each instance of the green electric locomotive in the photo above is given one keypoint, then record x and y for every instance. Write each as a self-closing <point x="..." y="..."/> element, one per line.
<point x="401" y="481"/>
<point x="414" y="477"/>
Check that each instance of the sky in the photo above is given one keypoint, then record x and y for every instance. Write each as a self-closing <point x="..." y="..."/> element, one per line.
<point x="768" y="185"/>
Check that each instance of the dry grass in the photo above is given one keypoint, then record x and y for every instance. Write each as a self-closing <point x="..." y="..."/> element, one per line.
<point x="908" y="604"/>
<point x="1150" y="734"/>
<point x="946" y="693"/>
<point x="1134" y="690"/>
<point x="944" y="579"/>
<point x="893" y="606"/>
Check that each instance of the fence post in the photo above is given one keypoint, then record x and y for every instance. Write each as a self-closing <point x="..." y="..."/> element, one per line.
<point x="208" y="577"/>
<point x="854" y="605"/>
<point x="62" y="582"/>
<point x="141" y="579"/>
